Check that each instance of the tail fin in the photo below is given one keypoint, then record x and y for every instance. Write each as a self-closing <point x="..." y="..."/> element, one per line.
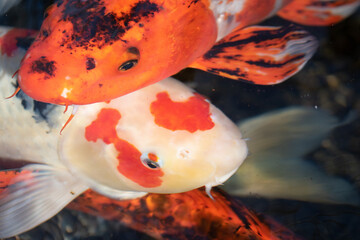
<point x="318" y="12"/>
<point x="276" y="169"/>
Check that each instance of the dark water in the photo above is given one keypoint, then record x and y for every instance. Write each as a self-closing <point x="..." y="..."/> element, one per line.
<point x="330" y="81"/>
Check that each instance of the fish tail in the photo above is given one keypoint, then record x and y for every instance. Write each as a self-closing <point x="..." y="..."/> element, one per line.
<point x="276" y="167"/>
<point x="318" y="12"/>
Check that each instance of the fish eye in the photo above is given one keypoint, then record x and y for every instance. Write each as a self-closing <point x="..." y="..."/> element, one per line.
<point x="150" y="160"/>
<point x="128" y="65"/>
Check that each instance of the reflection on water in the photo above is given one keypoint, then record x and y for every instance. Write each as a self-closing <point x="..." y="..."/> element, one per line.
<point x="330" y="81"/>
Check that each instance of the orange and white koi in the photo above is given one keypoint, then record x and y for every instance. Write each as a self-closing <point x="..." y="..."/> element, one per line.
<point x="93" y="51"/>
<point x="161" y="139"/>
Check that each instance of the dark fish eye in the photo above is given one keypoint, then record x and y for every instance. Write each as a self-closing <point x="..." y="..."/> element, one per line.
<point x="128" y="65"/>
<point x="150" y="164"/>
<point x="150" y="160"/>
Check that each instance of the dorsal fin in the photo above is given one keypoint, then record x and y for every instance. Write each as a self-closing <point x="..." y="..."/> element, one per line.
<point x="260" y="55"/>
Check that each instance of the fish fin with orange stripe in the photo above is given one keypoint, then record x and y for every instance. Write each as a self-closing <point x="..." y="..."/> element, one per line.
<point x="260" y="55"/>
<point x="318" y="12"/>
<point x="33" y="194"/>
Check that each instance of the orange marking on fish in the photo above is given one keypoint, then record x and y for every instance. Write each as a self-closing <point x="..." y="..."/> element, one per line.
<point x="254" y="12"/>
<point x="153" y="157"/>
<point x="130" y="165"/>
<point x="190" y="115"/>
<point x="8" y="177"/>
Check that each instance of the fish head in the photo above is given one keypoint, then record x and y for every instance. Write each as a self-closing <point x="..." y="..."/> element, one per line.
<point x="93" y="52"/>
<point x="160" y="139"/>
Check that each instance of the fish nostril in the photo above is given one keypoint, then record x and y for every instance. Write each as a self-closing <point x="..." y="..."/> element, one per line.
<point x="133" y="50"/>
<point x="90" y="63"/>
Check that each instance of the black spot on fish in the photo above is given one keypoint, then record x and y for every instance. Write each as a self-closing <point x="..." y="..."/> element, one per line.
<point x="59" y="2"/>
<point x="241" y="76"/>
<point x="268" y="64"/>
<point x="192" y="2"/>
<point x="24" y="42"/>
<point x="95" y="27"/>
<point x="90" y="64"/>
<point x="45" y="33"/>
<point x="43" y="65"/>
<point x="40" y="111"/>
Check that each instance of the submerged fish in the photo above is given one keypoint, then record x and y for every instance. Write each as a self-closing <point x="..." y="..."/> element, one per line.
<point x="93" y="51"/>
<point x="188" y="215"/>
<point x="161" y="139"/>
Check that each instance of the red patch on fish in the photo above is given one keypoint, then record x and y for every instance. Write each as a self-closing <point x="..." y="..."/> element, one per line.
<point x="8" y="42"/>
<point x="190" y="115"/>
<point x="130" y="165"/>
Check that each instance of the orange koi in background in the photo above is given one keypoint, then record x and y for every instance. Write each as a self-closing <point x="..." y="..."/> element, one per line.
<point x="93" y="51"/>
<point x="186" y="215"/>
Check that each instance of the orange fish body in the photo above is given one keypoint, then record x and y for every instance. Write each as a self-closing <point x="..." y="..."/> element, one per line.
<point x="93" y="51"/>
<point x="111" y="46"/>
<point x="186" y="215"/>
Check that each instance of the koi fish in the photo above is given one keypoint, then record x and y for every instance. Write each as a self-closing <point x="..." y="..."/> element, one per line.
<point x="115" y="148"/>
<point x="182" y="216"/>
<point x="188" y="215"/>
<point x="94" y="51"/>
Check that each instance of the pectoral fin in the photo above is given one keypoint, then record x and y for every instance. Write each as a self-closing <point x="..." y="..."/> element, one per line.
<point x="260" y="55"/>
<point x="317" y="12"/>
<point x="34" y="194"/>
